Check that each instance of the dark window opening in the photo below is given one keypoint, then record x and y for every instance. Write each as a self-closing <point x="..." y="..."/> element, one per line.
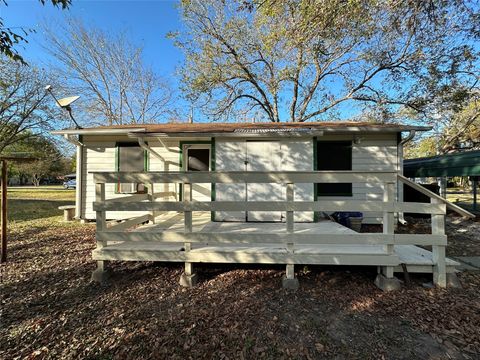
<point x="198" y="159"/>
<point x="130" y="158"/>
<point x="334" y="155"/>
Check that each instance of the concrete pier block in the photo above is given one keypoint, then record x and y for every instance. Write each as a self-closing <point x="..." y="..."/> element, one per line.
<point x="452" y="281"/>
<point x="290" y="284"/>
<point x="100" y="274"/>
<point x="387" y="284"/>
<point x="188" y="280"/>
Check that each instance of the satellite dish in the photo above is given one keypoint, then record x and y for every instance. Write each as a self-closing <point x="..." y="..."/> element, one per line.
<point x="67" y="101"/>
<point x="64" y="103"/>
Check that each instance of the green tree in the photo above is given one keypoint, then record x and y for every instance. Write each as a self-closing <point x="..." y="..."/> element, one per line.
<point x="462" y="130"/>
<point x="24" y="106"/>
<point x="300" y="60"/>
<point x="10" y="37"/>
<point x="49" y="161"/>
<point x="421" y="148"/>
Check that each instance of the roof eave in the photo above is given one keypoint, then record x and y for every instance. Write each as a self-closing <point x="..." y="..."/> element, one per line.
<point x="319" y="132"/>
<point x="97" y="131"/>
<point x="229" y="134"/>
<point x="393" y="129"/>
<point x="314" y="132"/>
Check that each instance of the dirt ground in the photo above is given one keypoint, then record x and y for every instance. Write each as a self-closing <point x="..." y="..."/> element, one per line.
<point x="49" y="308"/>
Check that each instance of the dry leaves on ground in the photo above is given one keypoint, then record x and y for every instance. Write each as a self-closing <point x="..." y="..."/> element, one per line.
<point x="51" y="310"/>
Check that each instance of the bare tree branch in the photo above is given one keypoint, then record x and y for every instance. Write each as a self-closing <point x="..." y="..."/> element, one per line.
<point x="108" y="71"/>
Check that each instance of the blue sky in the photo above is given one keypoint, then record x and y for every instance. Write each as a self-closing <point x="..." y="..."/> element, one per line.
<point x="147" y="22"/>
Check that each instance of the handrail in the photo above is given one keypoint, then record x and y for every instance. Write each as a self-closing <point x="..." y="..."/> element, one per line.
<point x="432" y="195"/>
<point x="244" y="177"/>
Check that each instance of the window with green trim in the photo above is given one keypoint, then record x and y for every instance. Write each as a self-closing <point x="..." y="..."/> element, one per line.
<point x="334" y="155"/>
<point x="131" y="158"/>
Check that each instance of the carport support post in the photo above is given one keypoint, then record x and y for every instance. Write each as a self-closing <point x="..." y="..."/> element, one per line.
<point x="188" y="278"/>
<point x="385" y="280"/>
<point x="475" y="187"/>
<point x="289" y="281"/>
<point x="443" y="187"/>
<point x="438" y="251"/>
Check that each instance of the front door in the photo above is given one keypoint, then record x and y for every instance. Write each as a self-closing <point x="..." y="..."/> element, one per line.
<point x="264" y="156"/>
<point x="196" y="157"/>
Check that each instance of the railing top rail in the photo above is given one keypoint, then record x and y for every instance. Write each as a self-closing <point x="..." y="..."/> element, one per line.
<point x="244" y="176"/>
<point x="432" y="195"/>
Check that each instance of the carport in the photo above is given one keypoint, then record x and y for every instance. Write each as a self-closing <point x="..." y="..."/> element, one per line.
<point x="465" y="163"/>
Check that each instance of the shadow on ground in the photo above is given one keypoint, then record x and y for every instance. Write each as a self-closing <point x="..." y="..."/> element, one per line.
<point x="50" y="309"/>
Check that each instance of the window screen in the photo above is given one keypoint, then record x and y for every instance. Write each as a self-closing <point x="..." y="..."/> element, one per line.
<point x="131" y="158"/>
<point x="334" y="155"/>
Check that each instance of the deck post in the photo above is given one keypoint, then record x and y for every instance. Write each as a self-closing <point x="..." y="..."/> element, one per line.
<point x="289" y="281"/>
<point x="385" y="280"/>
<point x="188" y="278"/>
<point x="151" y="197"/>
<point x="99" y="274"/>
<point x="438" y="251"/>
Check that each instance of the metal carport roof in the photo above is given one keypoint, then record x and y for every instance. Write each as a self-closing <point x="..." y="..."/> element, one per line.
<point x="457" y="164"/>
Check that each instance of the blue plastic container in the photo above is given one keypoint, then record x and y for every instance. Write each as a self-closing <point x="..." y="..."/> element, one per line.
<point x="343" y="217"/>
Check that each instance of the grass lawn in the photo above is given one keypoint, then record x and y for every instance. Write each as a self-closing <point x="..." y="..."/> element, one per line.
<point x="31" y="203"/>
<point x="463" y="197"/>
<point x="50" y="309"/>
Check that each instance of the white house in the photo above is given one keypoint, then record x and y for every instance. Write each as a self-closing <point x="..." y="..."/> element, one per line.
<point x="239" y="178"/>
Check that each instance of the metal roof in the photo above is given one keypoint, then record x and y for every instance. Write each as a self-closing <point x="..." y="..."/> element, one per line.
<point x="214" y="128"/>
<point x="456" y="164"/>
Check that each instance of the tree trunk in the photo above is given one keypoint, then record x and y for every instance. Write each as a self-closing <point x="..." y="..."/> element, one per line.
<point x="36" y="180"/>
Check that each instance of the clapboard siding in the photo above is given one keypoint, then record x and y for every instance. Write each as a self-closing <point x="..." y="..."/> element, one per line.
<point x="170" y="153"/>
<point x="99" y="155"/>
<point x="374" y="152"/>
<point x="231" y="155"/>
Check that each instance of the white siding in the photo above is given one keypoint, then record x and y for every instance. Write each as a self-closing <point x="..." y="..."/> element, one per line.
<point x="230" y="155"/>
<point x="298" y="155"/>
<point x="292" y="154"/>
<point x="99" y="155"/>
<point x="373" y="153"/>
<point x="168" y="159"/>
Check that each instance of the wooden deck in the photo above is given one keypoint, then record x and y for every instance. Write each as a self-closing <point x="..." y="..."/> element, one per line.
<point x="416" y="258"/>
<point x="185" y="233"/>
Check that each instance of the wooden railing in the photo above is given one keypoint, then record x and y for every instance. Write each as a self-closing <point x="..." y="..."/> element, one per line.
<point x="389" y="206"/>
